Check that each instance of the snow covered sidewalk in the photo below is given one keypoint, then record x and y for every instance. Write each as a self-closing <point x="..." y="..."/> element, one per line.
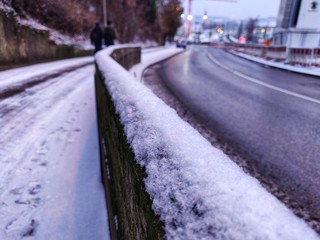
<point x="149" y="57"/>
<point x="314" y="71"/>
<point x="198" y="191"/>
<point x="50" y="181"/>
<point x="19" y="76"/>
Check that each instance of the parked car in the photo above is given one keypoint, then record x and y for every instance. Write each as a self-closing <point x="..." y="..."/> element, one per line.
<point x="181" y="43"/>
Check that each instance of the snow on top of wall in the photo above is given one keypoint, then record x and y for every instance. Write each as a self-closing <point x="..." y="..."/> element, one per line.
<point x="31" y="23"/>
<point x="196" y="189"/>
<point x="78" y="41"/>
<point x="151" y="56"/>
<point x="5" y="8"/>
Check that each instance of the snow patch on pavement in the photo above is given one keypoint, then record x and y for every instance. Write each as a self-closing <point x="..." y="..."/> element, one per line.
<point x="314" y="71"/>
<point x="50" y="182"/>
<point x="157" y="54"/>
<point x="15" y="77"/>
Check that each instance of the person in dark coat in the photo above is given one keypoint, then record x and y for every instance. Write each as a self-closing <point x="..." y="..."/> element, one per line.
<point x="96" y="37"/>
<point x="109" y="34"/>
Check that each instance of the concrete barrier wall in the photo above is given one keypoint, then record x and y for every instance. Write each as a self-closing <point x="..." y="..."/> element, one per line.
<point x="127" y="56"/>
<point x="129" y="205"/>
<point x="277" y="53"/>
<point x="23" y="44"/>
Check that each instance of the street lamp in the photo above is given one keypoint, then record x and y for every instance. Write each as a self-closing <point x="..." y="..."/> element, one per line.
<point x="104" y="12"/>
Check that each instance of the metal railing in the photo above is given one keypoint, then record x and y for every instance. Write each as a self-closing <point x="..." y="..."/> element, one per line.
<point x="309" y="57"/>
<point x="304" y="56"/>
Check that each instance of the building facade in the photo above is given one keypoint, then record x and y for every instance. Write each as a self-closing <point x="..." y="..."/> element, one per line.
<point x="288" y="14"/>
<point x="298" y="24"/>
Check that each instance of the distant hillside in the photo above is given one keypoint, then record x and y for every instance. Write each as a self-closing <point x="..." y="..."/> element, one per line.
<point x="134" y="20"/>
<point x="69" y="17"/>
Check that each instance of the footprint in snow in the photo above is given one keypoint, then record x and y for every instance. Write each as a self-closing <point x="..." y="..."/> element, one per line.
<point x="35" y="188"/>
<point x="44" y="148"/>
<point x="17" y="191"/>
<point x="36" y="160"/>
<point x="29" y="230"/>
<point x="40" y="162"/>
<point x="34" y="202"/>
<point x="22" y="226"/>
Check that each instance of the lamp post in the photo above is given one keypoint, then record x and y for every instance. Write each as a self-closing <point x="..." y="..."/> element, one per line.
<point x="104" y="12"/>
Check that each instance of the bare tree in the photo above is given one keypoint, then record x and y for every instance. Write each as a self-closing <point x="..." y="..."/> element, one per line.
<point x="170" y="21"/>
<point x="134" y="20"/>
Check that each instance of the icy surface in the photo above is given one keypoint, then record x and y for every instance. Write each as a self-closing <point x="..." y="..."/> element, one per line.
<point x="50" y="181"/>
<point x="19" y="76"/>
<point x="197" y="190"/>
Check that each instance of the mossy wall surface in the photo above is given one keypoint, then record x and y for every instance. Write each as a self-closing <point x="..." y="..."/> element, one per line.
<point x="131" y="215"/>
<point x="23" y="44"/>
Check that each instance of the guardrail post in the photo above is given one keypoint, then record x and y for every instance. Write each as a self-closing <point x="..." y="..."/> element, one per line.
<point x="289" y="37"/>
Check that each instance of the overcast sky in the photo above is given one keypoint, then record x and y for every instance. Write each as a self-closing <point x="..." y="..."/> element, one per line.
<point x="242" y="9"/>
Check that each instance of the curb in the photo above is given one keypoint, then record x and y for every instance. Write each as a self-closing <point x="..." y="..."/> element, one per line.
<point x="278" y="65"/>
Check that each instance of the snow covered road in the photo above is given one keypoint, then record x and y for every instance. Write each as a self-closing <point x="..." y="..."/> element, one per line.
<point x="50" y="186"/>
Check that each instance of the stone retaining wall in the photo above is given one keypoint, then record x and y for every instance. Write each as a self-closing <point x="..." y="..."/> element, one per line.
<point x="23" y="44"/>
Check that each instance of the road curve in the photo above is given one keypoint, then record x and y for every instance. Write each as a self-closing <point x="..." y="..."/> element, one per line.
<point x="269" y="116"/>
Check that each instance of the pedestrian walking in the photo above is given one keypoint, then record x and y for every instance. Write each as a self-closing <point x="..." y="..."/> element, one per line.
<point x="109" y="34"/>
<point x="96" y="37"/>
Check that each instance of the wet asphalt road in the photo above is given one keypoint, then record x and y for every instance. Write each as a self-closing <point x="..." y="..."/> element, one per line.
<point x="277" y="132"/>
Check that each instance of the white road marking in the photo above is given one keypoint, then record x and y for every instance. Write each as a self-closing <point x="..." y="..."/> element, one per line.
<point x="314" y="100"/>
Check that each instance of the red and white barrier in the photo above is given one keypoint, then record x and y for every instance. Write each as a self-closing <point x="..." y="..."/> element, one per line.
<point x="316" y="57"/>
<point x="300" y="56"/>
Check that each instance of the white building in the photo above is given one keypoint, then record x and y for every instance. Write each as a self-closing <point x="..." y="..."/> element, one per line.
<point x="298" y="24"/>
